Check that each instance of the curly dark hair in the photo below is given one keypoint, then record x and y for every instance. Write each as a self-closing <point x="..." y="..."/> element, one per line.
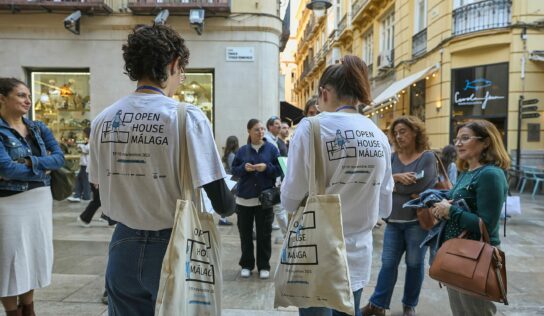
<point x="149" y="49"/>
<point x="417" y="126"/>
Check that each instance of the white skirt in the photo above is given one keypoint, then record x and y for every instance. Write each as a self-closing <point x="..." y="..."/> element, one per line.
<point x="26" y="241"/>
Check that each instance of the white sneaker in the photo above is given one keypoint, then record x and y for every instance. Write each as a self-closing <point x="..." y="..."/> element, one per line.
<point x="245" y="273"/>
<point x="264" y="274"/>
<point x="275" y="226"/>
<point x="74" y="199"/>
<point x="81" y="223"/>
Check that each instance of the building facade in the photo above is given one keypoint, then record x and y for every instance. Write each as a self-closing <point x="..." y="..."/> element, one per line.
<point x="444" y="61"/>
<point x="233" y="66"/>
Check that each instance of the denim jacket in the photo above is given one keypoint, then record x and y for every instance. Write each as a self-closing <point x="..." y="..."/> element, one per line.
<point x="15" y="176"/>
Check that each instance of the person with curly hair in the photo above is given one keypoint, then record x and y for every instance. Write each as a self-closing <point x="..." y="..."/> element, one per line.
<point x="135" y="158"/>
<point x="414" y="171"/>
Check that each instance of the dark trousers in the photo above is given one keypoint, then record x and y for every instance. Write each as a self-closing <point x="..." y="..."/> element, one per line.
<point x="82" y="189"/>
<point x="263" y="218"/>
<point x="92" y="207"/>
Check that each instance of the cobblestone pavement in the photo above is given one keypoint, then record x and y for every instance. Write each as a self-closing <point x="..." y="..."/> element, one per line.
<point x="81" y="255"/>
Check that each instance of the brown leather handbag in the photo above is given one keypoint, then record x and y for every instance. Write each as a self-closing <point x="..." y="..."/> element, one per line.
<point x="424" y="215"/>
<point x="472" y="267"/>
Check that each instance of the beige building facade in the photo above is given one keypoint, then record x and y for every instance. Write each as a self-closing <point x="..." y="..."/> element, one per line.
<point x="232" y="73"/>
<point x="444" y="61"/>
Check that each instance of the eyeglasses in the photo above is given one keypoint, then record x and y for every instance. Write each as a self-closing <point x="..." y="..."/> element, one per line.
<point x="465" y="139"/>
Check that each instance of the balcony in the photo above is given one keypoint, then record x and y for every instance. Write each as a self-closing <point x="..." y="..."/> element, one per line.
<point x="483" y="15"/>
<point x="179" y="7"/>
<point x="357" y="6"/>
<point x="419" y="43"/>
<point x="342" y="24"/>
<point x="58" y="6"/>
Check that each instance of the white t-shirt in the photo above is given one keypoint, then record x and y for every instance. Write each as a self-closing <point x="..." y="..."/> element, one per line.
<point x="135" y="158"/>
<point x="357" y="160"/>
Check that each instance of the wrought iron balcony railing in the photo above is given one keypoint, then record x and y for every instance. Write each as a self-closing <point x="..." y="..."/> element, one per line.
<point x="85" y="6"/>
<point x="483" y="15"/>
<point x="419" y="43"/>
<point x="342" y="24"/>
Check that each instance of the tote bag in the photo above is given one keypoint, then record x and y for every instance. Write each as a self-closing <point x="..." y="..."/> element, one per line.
<point x="313" y="268"/>
<point x="191" y="277"/>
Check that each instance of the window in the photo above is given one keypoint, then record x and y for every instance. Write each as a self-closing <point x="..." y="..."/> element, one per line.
<point x="417" y="100"/>
<point x="197" y="89"/>
<point x="338" y="12"/>
<point x="420" y="16"/>
<point x="62" y="101"/>
<point x="388" y="32"/>
<point x="368" y="56"/>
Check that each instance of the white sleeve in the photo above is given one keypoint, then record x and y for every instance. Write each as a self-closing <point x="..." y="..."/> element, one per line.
<point x="295" y="185"/>
<point x="204" y="159"/>
<point x="386" y="189"/>
<point x="92" y="166"/>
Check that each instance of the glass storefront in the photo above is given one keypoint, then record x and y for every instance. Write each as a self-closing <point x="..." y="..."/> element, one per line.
<point x="62" y="101"/>
<point x="417" y="100"/>
<point x="480" y="92"/>
<point x="197" y="89"/>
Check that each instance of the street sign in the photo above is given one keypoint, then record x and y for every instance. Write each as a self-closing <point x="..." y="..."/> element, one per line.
<point x="531" y="108"/>
<point x="530" y="115"/>
<point x="530" y="101"/>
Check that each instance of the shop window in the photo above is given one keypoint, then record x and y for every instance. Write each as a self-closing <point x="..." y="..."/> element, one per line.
<point x="62" y="101"/>
<point x="417" y="100"/>
<point x="197" y="89"/>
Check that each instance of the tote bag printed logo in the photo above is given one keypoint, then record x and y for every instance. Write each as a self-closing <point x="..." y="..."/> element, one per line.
<point x="299" y="250"/>
<point x="197" y="266"/>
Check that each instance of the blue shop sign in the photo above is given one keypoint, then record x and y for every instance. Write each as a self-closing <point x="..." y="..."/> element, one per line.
<point x="480" y="90"/>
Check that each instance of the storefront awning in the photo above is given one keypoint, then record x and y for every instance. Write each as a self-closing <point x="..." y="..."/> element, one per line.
<point x="537" y="55"/>
<point x="290" y="113"/>
<point x="391" y="92"/>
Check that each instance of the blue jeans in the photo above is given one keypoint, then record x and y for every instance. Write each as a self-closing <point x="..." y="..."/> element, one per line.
<point x="134" y="268"/>
<point x="83" y="187"/>
<point x="324" y="311"/>
<point x="400" y="238"/>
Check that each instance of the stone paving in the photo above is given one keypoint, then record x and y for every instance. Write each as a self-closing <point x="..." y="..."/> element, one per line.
<point x="81" y="255"/>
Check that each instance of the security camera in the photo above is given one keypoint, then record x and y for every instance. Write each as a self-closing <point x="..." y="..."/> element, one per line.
<point x="196" y="19"/>
<point x="161" y="18"/>
<point x="71" y="23"/>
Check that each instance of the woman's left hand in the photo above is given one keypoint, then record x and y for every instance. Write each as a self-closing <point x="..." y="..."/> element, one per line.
<point x="260" y="167"/>
<point x="441" y="210"/>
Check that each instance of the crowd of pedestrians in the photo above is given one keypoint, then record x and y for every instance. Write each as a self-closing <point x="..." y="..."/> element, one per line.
<point x="374" y="172"/>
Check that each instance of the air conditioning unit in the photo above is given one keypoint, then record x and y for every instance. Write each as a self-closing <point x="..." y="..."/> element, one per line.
<point x="385" y="60"/>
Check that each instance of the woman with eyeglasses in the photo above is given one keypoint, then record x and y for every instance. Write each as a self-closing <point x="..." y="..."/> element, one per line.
<point x="483" y="160"/>
<point x="414" y="171"/>
<point x="257" y="166"/>
<point x="357" y="159"/>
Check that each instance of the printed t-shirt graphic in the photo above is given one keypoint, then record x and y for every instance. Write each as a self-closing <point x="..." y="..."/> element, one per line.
<point x="135" y="158"/>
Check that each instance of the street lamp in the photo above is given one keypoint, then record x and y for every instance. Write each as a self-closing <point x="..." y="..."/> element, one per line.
<point x="319" y="7"/>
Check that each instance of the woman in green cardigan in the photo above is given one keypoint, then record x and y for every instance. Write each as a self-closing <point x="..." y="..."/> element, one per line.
<point x="482" y="158"/>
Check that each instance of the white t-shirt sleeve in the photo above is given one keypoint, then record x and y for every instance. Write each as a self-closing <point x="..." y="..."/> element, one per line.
<point x="204" y="159"/>
<point x="386" y="188"/>
<point x="295" y="185"/>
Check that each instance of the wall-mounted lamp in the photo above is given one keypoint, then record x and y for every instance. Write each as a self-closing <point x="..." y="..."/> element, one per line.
<point x="161" y="18"/>
<point x="71" y="23"/>
<point x="196" y="19"/>
<point x="438" y="106"/>
<point x="319" y="7"/>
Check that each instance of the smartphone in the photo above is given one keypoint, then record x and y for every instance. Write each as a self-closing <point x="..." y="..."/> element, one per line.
<point x="420" y="175"/>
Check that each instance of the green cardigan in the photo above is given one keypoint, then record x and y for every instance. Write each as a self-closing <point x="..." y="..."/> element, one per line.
<point x="484" y="190"/>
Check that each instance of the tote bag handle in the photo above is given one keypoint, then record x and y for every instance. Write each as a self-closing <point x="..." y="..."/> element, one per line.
<point x="187" y="191"/>
<point x="317" y="167"/>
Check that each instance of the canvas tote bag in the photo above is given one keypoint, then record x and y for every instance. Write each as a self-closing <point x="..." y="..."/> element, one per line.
<point x="313" y="268"/>
<point x="191" y="276"/>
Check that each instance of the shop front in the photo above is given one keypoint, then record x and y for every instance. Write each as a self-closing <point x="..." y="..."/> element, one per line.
<point x="480" y="92"/>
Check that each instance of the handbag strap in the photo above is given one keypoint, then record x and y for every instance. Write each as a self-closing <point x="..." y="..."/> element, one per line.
<point x="317" y="167"/>
<point x="187" y="191"/>
<point x="442" y="168"/>
<point x="484" y="235"/>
